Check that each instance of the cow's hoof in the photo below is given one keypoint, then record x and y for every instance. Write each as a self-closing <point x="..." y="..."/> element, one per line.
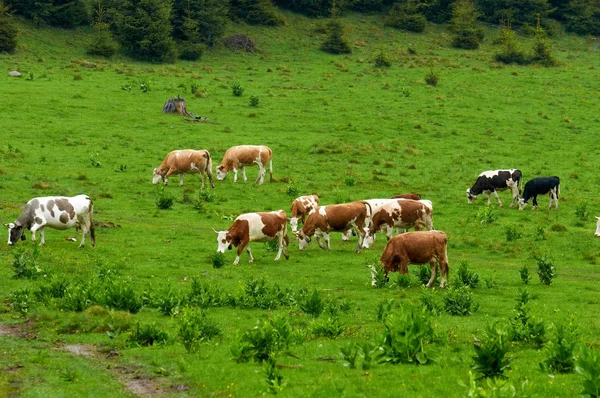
<point x="287" y="256"/>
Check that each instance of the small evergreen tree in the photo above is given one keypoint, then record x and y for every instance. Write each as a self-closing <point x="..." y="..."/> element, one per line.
<point x="466" y="34"/>
<point x="8" y="30"/>
<point x="190" y="49"/>
<point x="542" y="49"/>
<point x="510" y="52"/>
<point x="103" y="43"/>
<point x="583" y="17"/>
<point x="406" y="15"/>
<point x="259" y="12"/>
<point x="335" y="43"/>
<point x="210" y="17"/>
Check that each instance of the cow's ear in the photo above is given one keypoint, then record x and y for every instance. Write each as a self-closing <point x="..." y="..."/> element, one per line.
<point x="10" y="225"/>
<point x="229" y="247"/>
<point x="23" y="237"/>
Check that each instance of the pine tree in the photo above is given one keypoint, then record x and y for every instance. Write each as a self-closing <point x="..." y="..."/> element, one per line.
<point x="510" y="52"/>
<point x="335" y="42"/>
<point x="190" y="48"/>
<point x="209" y="15"/>
<point x="103" y="43"/>
<point x="542" y="49"/>
<point x="466" y="34"/>
<point x="406" y="15"/>
<point x="8" y="30"/>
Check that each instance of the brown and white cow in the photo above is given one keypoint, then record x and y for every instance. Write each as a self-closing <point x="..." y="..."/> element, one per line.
<point x="238" y="157"/>
<point x="417" y="248"/>
<point x="413" y="196"/>
<point x="301" y="207"/>
<point x="58" y="212"/>
<point x="401" y="213"/>
<point x="337" y="218"/>
<point x="255" y="227"/>
<point x="184" y="161"/>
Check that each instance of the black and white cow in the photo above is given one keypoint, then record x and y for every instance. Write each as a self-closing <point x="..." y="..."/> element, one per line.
<point x="491" y="181"/>
<point x="540" y="186"/>
<point x="58" y="212"/>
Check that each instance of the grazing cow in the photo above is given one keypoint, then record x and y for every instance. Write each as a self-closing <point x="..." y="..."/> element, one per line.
<point x="491" y="181"/>
<point x="255" y="227"/>
<point x="246" y="155"/>
<point x="184" y="161"/>
<point x="540" y="186"/>
<point x="403" y="213"/>
<point x="58" y="212"/>
<point x="301" y="207"/>
<point x="417" y="248"/>
<point x="413" y="196"/>
<point x="597" y="227"/>
<point x="338" y="218"/>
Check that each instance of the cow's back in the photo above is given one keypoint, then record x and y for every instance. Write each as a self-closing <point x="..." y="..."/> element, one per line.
<point x="185" y="160"/>
<point x="419" y="247"/>
<point x="340" y="216"/>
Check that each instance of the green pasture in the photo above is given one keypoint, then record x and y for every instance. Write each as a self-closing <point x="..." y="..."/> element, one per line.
<point x="338" y="127"/>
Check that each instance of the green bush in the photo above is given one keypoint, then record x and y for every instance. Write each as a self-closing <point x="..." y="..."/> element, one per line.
<point x="273" y="377"/>
<point x="424" y="274"/>
<point x="465" y="277"/>
<point x="237" y="89"/>
<point x="384" y="309"/>
<point x="102" y="44"/>
<point x="169" y="302"/>
<point x="486" y="215"/>
<point x="20" y="301"/>
<point x="406" y="339"/>
<point x="25" y="264"/>
<point x="8" y="31"/>
<point x="335" y="43"/>
<point x="588" y="366"/>
<point x="402" y="281"/>
<point x="546" y="270"/>
<point x="512" y="233"/>
<point x="524" y="327"/>
<point x="263" y="341"/>
<point x="430" y="301"/>
<point x="560" y="350"/>
<point x="466" y="34"/>
<point x="119" y="295"/>
<point x="164" y="200"/>
<point x="491" y="351"/>
<point x="349" y="353"/>
<point x="147" y="335"/>
<point x="218" y="260"/>
<point x="525" y="275"/>
<point x="460" y="301"/>
<point x="193" y="328"/>
<point x="510" y="51"/>
<point x="78" y="297"/>
<point x="542" y="48"/>
<point x="191" y="51"/>
<point x="330" y="327"/>
<point x="432" y="78"/>
<point x="581" y="212"/>
<point x="254" y="100"/>
<point x="406" y="16"/>
<point x="55" y="288"/>
<point x="258" y="12"/>
<point x="206" y="295"/>
<point x="382" y="60"/>
<point x="312" y="304"/>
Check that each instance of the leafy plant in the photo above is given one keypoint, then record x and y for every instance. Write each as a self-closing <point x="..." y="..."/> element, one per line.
<point x="20" y="301"/>
<point x="432" y="78"/>
<point x="144" y="86"/>
<point x="402" y="281"/>
<point x="237" y="89"/>
<point x="206" y="295"/>
<point x="25" y="264"/>
<point x="378" y="277"/>
<point x="218" y="260"/>
<point x="430" y="301"/>
<point x="254" y="100"/>
<point x="382" y="60"/>
<point x="263" y="341"/>
<point x="349" y="353"/>
<point x="349" y="181"/>
<point x="491" y="351"/>
<point x="486" y="215"/>
<point x="424" y="274"/>
<point x="512" y="233"/>
<point x="164" y="200"/>
<point x="78" y="297"/>
<point x="291" y="190"/>
<point x="406" y="339"/>
<point x="546" y="270"/>
<point x="367" y="351"/>
<point x="540" y="233"/>
<point x="193" y="328"/>
<point x="330" y="327"/>
<point x="560" y="350"/>
<point x="588" y="366"/>
<point x="384" y="309"/>
<point x="496" y="388"/>
<point x="169" y="302"/>
<point x="120" y="295"/>
<point x="273" y="377"/>
<point x="525" y="275"/>
<point x="147" y="335"/>
<point x="459" y="301"/>
<point x="581" y="212"/>
<point x="524" y="327"/>
<point x="466" y="277"/>
<point x="312" y="304"/>
<point x="335" y="43"/>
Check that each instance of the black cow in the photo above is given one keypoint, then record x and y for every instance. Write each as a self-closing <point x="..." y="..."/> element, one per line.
<point x="491" y="181"/>
<point x="540" y="186"/>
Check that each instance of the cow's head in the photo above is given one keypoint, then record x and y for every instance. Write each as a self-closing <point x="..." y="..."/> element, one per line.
<point x="597" y="227"/>
<point x="221" y="173"/>
<point x="15" y="232"/>
<point x="303" y="239"/>
<point x="294" y="224"/>
<point x="156" y="177"/>
<point x="470" y="197"/>
<point x="223" y="241"/>
<point x="522" y="203"/>
<point x="369" y="237"/>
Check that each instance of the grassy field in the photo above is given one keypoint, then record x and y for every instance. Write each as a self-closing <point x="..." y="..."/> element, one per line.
<point x="338" y="127"/>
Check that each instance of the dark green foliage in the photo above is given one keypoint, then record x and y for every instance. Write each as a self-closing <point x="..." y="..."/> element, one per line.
<point x="20" y="301"/>
<point x="193" y="328"/>
<point x="169" y="302"/>
<point x="78" y="297"/>
<point x="209" y="19"/>
<point x="143" y="27"/>
<point x="384" y="309"/>
<point x="460" y="301"/>
<point x="164" y="200"/>
<point x="190" y="47"/>
<point x="330" y="327"/>
<point x="218" y="260"/>
<point x="512" y="233"/>
<point x="542" y="49"/>
<point x="560" y="350"/>
<point x="438" y="11"/>
<point x="525" y="275"/>
<point x="518" y="12"/>
<point x="147" y="335"/>
<point x="119" y="295"/>
<point x="490" y="352"/>
<point x="424" y="274"/>
<point x="254" y="100"/>
<point x="263" y="341"/>
<point x="406" y="15"/>
<point x="25" y="264"/>
<point x="406" y="339"/>
<point x="546" y="270"/>
<point x="581" y="212"/>
<point x="335" y="43"/>
<point x="102" y="43"/>
<point x="432" y="79"/>
<point x="402" y="281"/>
<point x="273" y="377"/>
<point x="258" y="12"/>
<point x="466" y="277"/>
<point x="314" y="8"/>
<point x="237" y="89"/>
<point x="53" y="289"/>
<point x="524" y="327"/>
<point x="190" y="51"/>
<point x="349" y="353"/>
<point x="382" y="60"/>
<point x="367" y="6"/>
<point x="582" y="17"/>
<point x="8" y="30"/>
<point x="430" y="301"/>
<point x="63" y="13"/>
<point x="205" y="295"/>
<point x="465" y="32"/>
<point x="312" y="304"/>
<point x="509" y="47"/>
<point x="588" y="366"/>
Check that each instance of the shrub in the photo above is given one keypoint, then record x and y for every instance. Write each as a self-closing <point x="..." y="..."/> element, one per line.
<point x="525" y="275"/>
<point x="546" y="270"/>
<point x="147" y="335"/>
<point x="384" y="309"/>
<point x="191" y="51"/>
<point x="20" y="301"/>
<point x="206" y="196"/>
<point x="524" y="327"/>
<point x="194" y="328"/>
<point x="254" y="100"/>
<point x="588" y="366"/>
<point x="164" y="200"/>
<point x="330" y="327"/>
<point x="430" y="301"/>
<point x="490" y="352"/>
<point x="560" y="350"/>
<point x="263" y="341"/>
<point x="217" y="259"/>
<point x="78" y="297"/>
<point x="406" y="339"/>
<point x="466" y="35"/>
<point x="169" y="302"/>
<point x="273" y="377"/>
<point x="432" y="79"/>
<point x="402" y="281"/>
<point x="53" y="289"/>
<point x="510" y="52"/>
<point x="424" y="274"/>
<point x="512" y="233"/>
<point x="335" y="43"/>
<point x="349" y="181"/>
<point x="102" y="44"/>
<point x="257" y="293"/>
<point x="206" y="295"/>
<point x="8" y="30"/>
<point x="119" y="294"/>
<point x="465" y="277"/>
<point x="406" y="16"/>
<point x="459" y="301"/>
<point x="542" y="49"/>
<point x="259" y="12"/>
<point x="237" y="89"/>
<point x="291" y="190"/>
<point x="486" y="215"/>
<point x="349" y="353"/>
<point x="581" y="212"/>
<point x="312" y="304"/>
<point x="382" y="60"/>
<point x="25" y="264"/>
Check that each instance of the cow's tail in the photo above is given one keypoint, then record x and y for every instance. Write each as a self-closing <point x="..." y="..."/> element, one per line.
<point x="270" y="166"/>
<point x="208" y="168"/>
<point x="557" y="188"/>
<point x="92" y="229"/>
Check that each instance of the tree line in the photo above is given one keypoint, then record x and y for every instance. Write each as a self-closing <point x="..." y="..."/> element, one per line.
<point x="162" y="30"/>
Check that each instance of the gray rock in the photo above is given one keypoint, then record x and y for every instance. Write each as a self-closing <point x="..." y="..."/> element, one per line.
<point x="14" y="73"/>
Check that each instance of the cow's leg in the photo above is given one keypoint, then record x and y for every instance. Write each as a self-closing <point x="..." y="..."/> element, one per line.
<point x="203" y="175"/>
<point x="279" y="238"/>
<point x="181" y="179"/>
<point x="433" y="266"/>
<point x="497" y="198"/>
<point x="389" y="232"/>
<point x="346" y="235"/>
<point x="210" y="178"/>
<point x="240" y="248"/>
<point x="38" y="227"/>
<point x="515" y="194"/>
<point x="361" y="237"/>
<point x="261" y="172"/>
<point x="243" y="168"/>
<point x="84" y="224"/>
<point x="327" y="242"/>
<point x="172" y="170"/>
<point x="534" y="203"/>
<point x="319" y="235"/>
<point x="444" y="272"/>
<point x="488" y="197"/>
<point x="251" y="259"/>
<point x="556" y="197"/>
<point x="234" y="174"/>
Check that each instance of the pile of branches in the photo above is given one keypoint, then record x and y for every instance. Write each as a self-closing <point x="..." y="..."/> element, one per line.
<point x="240" y="42"/>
